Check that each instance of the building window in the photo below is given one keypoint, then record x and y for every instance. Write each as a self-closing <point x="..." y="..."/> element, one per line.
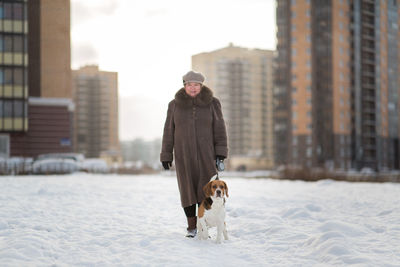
<point x="18" y="11"/>
<point x="18" y="108"/>
<point x="8" y="43"/>
<point x="18" y="76"/>
<point x="295" y="153"/>
<point x="8" y="76"/>
<point x="7" y="108"/>
<point x="18" y="44"/>
<point x="4" y="146"/>
<point x="7" y="11"/>
<point x="309" y="152"/>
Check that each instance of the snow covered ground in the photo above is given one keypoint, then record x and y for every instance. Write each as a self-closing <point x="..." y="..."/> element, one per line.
<point x="106" y="220"/>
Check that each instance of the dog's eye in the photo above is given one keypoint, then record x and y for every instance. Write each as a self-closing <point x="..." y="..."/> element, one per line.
<point x="222" y="187"/>
<point x="214" y="186"/>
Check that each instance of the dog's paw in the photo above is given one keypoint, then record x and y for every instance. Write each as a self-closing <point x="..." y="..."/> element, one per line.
<point x="202" y="235"/>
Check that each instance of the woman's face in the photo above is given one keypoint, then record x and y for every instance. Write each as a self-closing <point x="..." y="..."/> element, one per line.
<point x="192" y="89"/>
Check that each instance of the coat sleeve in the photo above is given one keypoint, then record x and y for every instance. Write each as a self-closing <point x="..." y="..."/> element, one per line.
<point x="169" y="135"/>
<point x="219" y="128"/>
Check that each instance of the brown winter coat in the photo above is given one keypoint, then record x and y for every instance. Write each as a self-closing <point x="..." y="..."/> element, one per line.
<point x="195" y="131"/>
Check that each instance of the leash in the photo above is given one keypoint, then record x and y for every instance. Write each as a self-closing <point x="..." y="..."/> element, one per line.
<point x="220" y="167"/>
<point x="215" y="177"/>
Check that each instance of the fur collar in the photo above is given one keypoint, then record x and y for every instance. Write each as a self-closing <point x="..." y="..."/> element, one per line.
<point x="203" y="99"/>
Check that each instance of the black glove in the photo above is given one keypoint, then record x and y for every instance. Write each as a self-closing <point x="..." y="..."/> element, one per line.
<point x="166" y="164"/>
<point x="219" y="157"/>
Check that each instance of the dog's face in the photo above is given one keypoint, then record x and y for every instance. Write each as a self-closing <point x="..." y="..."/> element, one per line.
<point x="216" y="189"/>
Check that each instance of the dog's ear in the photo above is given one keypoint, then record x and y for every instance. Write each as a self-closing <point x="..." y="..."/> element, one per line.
<point x="207" y="189"/>
<point x="226" y="190"/>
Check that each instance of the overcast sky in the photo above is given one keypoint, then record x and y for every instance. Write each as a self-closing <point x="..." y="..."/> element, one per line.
<point x="150" y="44"/>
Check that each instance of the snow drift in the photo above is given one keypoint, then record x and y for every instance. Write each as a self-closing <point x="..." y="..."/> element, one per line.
<point x="106" y="220"/>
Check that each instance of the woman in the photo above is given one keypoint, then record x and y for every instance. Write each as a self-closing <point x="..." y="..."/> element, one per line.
<point x="195" y="131"/>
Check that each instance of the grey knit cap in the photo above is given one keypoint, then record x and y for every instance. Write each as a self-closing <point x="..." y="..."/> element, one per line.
<point x="193" y="77"/>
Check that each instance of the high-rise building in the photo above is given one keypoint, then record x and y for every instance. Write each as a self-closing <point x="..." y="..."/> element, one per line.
<point x="96" y="117"/>
<point x="35" y="98"/>
<point x="49" y="49"/>
<point x="13" y="67"/>
<point x="242" y="79"/>
<point x="336" y="84"/>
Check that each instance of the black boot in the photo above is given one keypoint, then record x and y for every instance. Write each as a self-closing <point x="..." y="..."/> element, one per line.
<point x="192" y="227"/>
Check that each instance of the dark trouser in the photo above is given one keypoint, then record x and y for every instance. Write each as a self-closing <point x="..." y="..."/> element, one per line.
<point x="191" y="216"/>
<point x="191" y="210"/>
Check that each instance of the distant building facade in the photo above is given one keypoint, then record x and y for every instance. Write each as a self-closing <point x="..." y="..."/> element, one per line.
<point x="243" y="81"/>
<point x="13" y="68"/>
<point x="96" y="116"/>
<point x="31" y="65"/>
<point x="337" y="85"/>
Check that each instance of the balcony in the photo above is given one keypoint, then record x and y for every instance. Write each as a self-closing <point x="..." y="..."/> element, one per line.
<point x="370" y="134"/>
<point x="368" y="60"/>
<point x="368" y="110"/>
<point x="368" y="74"/>
<point x="369" y="122"/>
<point x="368" y="98"/>
<point x="368" y="85"/>
<point x="367" y="36"/>
<point x="368" y="48"/>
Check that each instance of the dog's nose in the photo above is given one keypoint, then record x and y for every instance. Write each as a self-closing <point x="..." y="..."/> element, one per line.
<point x="218" y="192"/>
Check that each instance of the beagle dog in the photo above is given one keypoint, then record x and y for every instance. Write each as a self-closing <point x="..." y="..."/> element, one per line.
<point x="211" y="212"/>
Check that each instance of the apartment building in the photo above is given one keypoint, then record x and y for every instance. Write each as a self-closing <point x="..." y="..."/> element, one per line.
<point x="96" y="117"/>
<point x="242" y="79"/>
<point x="336" y="84"/>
